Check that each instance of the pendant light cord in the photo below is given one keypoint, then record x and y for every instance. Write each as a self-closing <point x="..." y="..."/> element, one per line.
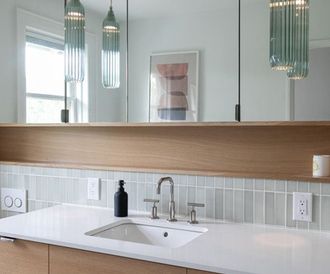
<point x="110" y="3"/>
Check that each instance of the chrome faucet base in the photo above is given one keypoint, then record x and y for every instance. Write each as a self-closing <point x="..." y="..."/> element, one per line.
<point x="193" y="222"/>
<point x="172" y="220"/>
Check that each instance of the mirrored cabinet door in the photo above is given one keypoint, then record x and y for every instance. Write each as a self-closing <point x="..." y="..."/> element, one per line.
<point x="183" y="60"/>
<point x="269" y="95"/>
<point x="33" y="70"/>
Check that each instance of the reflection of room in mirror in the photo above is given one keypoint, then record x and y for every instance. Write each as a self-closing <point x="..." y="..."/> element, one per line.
<point x="174" y="87"/>
<point x="312" y="95"/>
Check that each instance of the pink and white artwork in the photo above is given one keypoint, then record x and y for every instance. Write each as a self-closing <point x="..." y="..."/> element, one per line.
<point x="174" y="87"/>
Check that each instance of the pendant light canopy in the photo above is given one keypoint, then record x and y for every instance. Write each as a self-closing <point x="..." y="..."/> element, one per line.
<point x="301" y="52"/>
<point x="111" y="51"/>
<point x="74" y="41"/>
<point x="282" y="29"/>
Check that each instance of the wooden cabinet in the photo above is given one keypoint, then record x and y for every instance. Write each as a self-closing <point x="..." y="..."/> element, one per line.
<point x="23" y="257"/>
<point x="71" y="261"/>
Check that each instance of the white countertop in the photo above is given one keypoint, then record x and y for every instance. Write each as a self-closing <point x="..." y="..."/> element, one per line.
<point x="225" y="248"/>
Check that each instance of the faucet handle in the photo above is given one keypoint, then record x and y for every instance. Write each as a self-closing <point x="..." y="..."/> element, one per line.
<point x="154" y="207"/>
<point x="193" y="219"/>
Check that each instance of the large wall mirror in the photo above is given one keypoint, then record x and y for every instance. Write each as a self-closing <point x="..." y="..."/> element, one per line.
<point x="179" y="61"/>
<point x="269" y="95"/>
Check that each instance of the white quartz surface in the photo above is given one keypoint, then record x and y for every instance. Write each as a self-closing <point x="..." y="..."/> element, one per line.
<point x="224" y="248"/>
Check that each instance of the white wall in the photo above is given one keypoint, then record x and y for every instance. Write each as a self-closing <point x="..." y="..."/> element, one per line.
<point x="109" y="105"/>
<point x="265" y="93"/>
<point x="214" y="34"/>
<point x="312" y="95"/>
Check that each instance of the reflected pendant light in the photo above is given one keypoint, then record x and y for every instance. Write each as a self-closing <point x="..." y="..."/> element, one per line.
<point x="110" y="51"/>
<point x="301" y="52"/>
<point x="74" y="43"/>
<point x="282" y="27"/>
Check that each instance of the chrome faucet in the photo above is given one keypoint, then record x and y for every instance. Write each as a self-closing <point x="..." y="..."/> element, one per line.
<point x="172" y="203"/>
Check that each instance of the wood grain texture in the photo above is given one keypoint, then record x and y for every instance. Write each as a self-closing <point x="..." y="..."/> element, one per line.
<point x="193" y="271"/>
<point x="71" y="261"/>
<point x="282" y="151"/>
<point x="23" y="257"/>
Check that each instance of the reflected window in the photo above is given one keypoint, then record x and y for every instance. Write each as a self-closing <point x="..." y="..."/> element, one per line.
<point x="44" y="70"/>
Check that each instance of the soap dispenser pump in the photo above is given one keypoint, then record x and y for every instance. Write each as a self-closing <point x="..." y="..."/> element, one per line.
<point x="121" y="201"/>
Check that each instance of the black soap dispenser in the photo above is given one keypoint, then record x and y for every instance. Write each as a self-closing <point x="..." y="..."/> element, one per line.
<point x="121" y="201"/>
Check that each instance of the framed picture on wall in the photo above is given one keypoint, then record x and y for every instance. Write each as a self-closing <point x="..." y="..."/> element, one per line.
<point x="174" y="87"/>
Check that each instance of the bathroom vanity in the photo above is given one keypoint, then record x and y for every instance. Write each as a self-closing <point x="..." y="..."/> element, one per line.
<point x="63" y="239"/>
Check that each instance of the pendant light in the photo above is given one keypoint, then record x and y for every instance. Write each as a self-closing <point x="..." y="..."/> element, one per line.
<point x="111" y="51"/>
<point x="282" y="28"/>
<point x="301" y="52"/>
<point x="74" y="41"/>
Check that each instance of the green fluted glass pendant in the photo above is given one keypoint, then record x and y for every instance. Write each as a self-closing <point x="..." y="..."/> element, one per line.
<point x="301" y="52"/>
<point x="74" y="41"/>
<point x="282" y="13"/>
<point x="111" y="52"/>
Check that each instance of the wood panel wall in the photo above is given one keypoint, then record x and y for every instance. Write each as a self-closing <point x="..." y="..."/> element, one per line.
<point x="258" y="150"/>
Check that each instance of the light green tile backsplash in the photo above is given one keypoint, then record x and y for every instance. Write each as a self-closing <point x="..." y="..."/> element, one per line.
<point x="233" y="199"/>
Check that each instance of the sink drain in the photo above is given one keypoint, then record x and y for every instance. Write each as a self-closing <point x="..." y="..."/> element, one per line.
<point x="165" y="234"/>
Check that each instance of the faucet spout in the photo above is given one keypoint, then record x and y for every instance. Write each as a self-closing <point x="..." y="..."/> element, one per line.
<point x="172" y="202"/>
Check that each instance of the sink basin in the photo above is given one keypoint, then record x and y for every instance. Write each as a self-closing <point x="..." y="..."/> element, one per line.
<point x="150" y="233"/>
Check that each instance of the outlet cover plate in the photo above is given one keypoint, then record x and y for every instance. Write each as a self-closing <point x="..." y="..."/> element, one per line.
<point x="14" y="200"/>
<point x="302" y="206"/>
<point x="94" y="189"/>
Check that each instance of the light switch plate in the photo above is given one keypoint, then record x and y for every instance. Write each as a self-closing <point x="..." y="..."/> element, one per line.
<point x="302" y="206"/>
<point x="94" y="189"/>
<point x="14" y="200"/>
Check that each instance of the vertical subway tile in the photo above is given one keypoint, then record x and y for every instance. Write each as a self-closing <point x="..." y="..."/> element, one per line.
<point x="182" y="180"/>
<point x="259" y="184"/>
<point x="248" y="206"/>
<point x="135" y="192"/>
<point x="191" y="194"/>
<point x="269" y="185"/>
<point x="183" y="194"/>
<point x="280" y="209"/>
<point x="325" y="210"/>
<point x="239" y="183"/>
<point x="292" y="187"/>
<point x="269" y="208"/>
<point x="219" y="203"/>
<point x="219" y="182"/>
<point x="303" y="187"/>
<point x="325" y="189"/>
<point x="315" y="188"/>
<point x="249" y="184"/>
<point x="200" y="198"/>
<point x="229" y="205"/>
<point x="280" y="186"/>
<point x="259" y="207"/>
<point x="315" y="224"/>
<point x="143" y="192"/>
<point x="239" y="206"/>
<point x="192" y="180"/>
<point x="229" y="183"/>
<point x="200" y="181"/>
<point x="210" y="203"/>
<point x="165" y="199"/>
<point x="289" y="213"/>
<point x="209" y="182"/>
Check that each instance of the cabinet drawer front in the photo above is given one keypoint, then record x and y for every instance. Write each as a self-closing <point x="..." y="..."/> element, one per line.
<point x="72" y="261"/>
<point x="23" y="257"/>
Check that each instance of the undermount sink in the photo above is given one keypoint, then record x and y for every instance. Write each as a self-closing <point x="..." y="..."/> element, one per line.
<point x="150" y="233"/>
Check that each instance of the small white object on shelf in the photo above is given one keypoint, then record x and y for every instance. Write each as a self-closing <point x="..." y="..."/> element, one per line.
<point x="321" y="165"/>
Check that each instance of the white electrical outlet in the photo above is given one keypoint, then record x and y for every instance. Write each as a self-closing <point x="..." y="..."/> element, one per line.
<point x="94" y="189"/>
<point x="14" y="199"/>
<point x="302" y="206"/>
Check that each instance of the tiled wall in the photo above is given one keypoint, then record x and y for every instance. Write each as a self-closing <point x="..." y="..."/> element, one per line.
<point x="239" y="200"/>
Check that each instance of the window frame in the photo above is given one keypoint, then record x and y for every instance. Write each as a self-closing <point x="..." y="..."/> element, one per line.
<point x="28" y="22"/>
